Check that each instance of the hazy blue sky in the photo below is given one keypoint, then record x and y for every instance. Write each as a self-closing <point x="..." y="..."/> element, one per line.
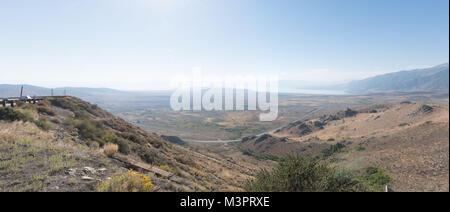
<point x="141" y="44"/>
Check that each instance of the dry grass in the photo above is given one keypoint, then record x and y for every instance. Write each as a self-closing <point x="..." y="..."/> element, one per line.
<point x="11" y="132"/>
<point x="110" y="149"/>
<point x="35" y="160"/>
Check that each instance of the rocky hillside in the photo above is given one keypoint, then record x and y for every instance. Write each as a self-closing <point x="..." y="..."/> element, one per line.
<point x="429" y="79"/>
<point x="63" y="144"/>
<point x="409" y="140"/>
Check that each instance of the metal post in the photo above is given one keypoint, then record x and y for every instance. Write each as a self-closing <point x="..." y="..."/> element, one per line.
<point x="21" y="91"/>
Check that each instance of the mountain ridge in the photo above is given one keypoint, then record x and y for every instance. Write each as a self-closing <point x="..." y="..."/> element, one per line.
<point x="435" y="78"/>
<point x="409" y="140"/>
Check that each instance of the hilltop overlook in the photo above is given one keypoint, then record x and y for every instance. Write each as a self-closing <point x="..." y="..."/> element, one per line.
<point x="60" y="144"/>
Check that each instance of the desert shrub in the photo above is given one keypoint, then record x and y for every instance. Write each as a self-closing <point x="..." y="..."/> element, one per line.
<point x="186" y="160"/>
<point x="151" y="157"/>
<point x="155" y="142"/>
<point x="359" y="148"/>
<point x="69" y="123"/>
<point x="118" y="124"/>
<point x="123" y="145"/>
<point x="331" y="139"/>
<point x="129" y="182"/>
<point x="333" y="149"/>
<point x="95" y="131"/>
<point x="124" y="148"/>
<point x="45" y="110"/>
<point x="110" y="149"/>
<point x="132" y="137"/>
<point x="43" y="124"/>
<point x="43" y="103"/>
<point x="262" y="156"/>
<point x="300" y="174"/>
<point x="257" y="155"/>
<point x="74" y="133"/>
<point x="29" y="114"/>
<point x="403" y="124"/>
<point x="80" y="108"/>
<point x="375" y="178"/>
<point x="94" y="144"/>
<point x="108" y="137"/>
<point x="9" y="114"/>
<point x="90" y="130"/>
<point x="165" y="168"/>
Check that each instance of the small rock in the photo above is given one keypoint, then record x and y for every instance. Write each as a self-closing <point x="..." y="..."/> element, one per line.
<point x="71" y="172"/>
<point x="87" y="178"/>
<point x="89" y="170"/>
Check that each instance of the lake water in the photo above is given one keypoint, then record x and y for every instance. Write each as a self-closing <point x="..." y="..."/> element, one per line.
<point x="311" y="91"/>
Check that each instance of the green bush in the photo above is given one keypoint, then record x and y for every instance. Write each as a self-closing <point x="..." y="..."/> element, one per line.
<point x="43" y="124"/>
<point x="124" y="148"/>
<point x="9" y="114"/>
<point x="333" y="149"/>
<point x="150" y="157"/>
<point x="300" y="174"/>
<point x="45" y="110"/>
<point x="28" y="113"/>
<point x="133" y="137"/>
<point x="375" y="178"/>
<point x="80" y="108"/>
<point x="359" y="148"/>
<point x="90" y="130"/>
<point x="261" y="156"/>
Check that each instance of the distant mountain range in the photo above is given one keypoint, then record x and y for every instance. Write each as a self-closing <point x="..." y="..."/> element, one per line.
<point x="429" y="79"/>
<point x="7" y="90"/>
<point x="104" y="97"/>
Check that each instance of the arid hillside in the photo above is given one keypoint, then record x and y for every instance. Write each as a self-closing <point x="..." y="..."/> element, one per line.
<point x="66" y="144"/>
<point x="409" y="140"/>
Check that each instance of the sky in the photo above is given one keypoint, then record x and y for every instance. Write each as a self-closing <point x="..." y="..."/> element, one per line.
<point x="142" y="44"/>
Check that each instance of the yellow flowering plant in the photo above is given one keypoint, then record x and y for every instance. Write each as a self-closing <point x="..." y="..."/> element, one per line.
<point x="131" y="181"/>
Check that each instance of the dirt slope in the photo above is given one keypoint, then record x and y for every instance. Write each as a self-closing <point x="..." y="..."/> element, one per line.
<point x="65" y="153"/>
<point x="409" y="140"/>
